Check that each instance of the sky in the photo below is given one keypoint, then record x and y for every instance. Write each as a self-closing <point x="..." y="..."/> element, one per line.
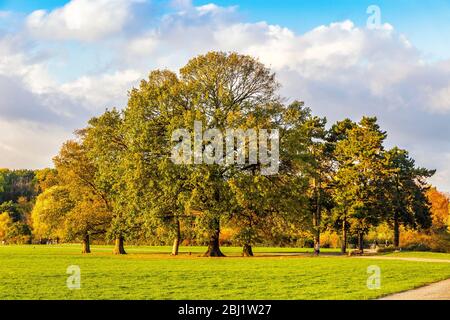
<point x="64" y="61"/>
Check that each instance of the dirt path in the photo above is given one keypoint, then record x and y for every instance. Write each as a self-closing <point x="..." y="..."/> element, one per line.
<point x="403" y="258"/>
<point x="435" y="291"/>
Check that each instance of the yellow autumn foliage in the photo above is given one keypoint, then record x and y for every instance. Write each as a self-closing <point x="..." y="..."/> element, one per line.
<point x="5" y="224"/>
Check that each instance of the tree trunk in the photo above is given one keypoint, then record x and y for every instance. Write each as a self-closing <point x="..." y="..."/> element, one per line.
<point x="344" y="237"/>
<point x="86" y="246"/>
<point x="247" y="250"/>
<point x="396" y="231"/>
<point x="119" y="249"/>
<point x="177" y="240"/>
<point x="361" y="242"/>
<point x="316" y="219"/>
<point x="317" y="243"/>
<point x="214" y="245"/>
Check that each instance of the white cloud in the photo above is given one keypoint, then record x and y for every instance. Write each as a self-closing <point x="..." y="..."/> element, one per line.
<point x="107" y="90"/>
<point x="36" y="115"/>
<point x="143" y="46"/>
<point x="15" y="61"/>
<point x="85" y="20"/>
<point x="28" y="145"/>
<point x="440" y="100"/>
<point x="213" y="9"/>
<point x="339" y="70"/>
<point x="29" y="92"/>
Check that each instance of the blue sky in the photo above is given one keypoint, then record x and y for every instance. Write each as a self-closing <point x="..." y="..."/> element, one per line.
<point x="426" y="23"/>
<point x="61" y="67"/>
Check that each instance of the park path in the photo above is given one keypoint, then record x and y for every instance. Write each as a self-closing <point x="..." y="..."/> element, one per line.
<point x="403" y="259"/>
<point x="435" y="291"/>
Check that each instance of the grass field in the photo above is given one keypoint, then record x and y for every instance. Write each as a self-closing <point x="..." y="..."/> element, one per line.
<point x="39" y="272"/>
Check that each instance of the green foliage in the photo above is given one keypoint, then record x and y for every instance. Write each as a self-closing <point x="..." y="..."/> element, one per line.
<point x="45" y="179"/>
<point x="50" y="211"/>
<point x="90" y="213"/>
<point x="360" y="176"/>
<point x="16" y="184"/>
<point x="5" y="224"/>
<point x="105" y="146"/>
<point x="405" y="191"/>
<point x="11" y="208"/>
<point x="2" y="182"/>
<point x="19" y="233"/>
<point x="117" y="178"/>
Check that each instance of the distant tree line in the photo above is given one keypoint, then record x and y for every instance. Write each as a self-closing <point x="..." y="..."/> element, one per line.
<point x="18" y="191"/>
<point x="117" y="180"/>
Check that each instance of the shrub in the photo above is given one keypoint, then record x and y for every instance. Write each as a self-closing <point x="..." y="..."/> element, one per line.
<point x="381" y="234"/>
<point x="417" y="247"/>
<point x="330" y="240"/>
<point x="416" y="241"/>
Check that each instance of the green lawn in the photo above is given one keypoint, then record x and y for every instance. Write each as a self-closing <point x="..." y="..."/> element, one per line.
<point x="39" y="272"/>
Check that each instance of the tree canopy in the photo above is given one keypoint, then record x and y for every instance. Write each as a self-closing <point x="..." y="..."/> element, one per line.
<point x="215" y="145"/>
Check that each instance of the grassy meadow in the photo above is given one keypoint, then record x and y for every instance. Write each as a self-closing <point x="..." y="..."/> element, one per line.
<point x="39" y="272"/>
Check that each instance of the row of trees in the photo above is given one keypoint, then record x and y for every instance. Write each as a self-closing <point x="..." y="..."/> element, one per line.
<point x="18" y="189"/>
<point x="117" y="178"/>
